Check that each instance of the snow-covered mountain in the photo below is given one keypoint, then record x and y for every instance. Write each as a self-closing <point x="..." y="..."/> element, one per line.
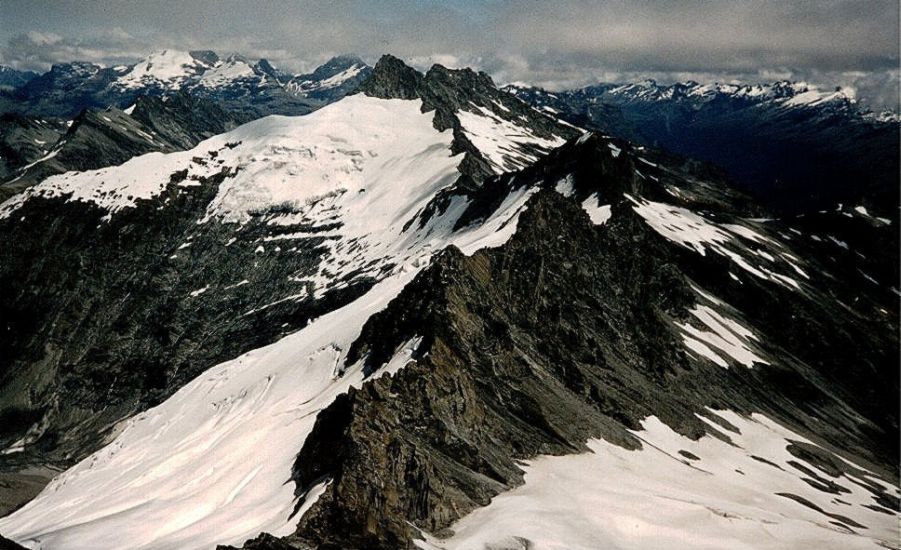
<point x="171" y="70"/>
<point x="785" y="94"/>
<point x="333" y="79"/>
<point x="255" y="87"/>
<point x="429" y="315"/>
<point x="789" y="144"/>
<point x="205" y="95"/>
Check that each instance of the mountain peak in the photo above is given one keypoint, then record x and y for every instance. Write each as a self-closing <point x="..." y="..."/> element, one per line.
<point x="345" y="60"/>
<point x="208" y="57"/>
<point x="168" y="66"/>
<point x="391" y="78"/>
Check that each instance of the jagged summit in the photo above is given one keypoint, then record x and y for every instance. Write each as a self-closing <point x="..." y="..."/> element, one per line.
<point x="496" y="131"/>
<point x="392" y="78"/>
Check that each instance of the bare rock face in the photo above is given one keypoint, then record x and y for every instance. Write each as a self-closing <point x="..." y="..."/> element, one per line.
<point x="448" y="91"/>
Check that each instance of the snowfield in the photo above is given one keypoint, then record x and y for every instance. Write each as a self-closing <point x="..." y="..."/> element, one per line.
<point x="212" y="464"/>
<point x="697" y="233"/>
<point x="502" y="142"/>
<point x="167" y="68"/>
<point x="658" y="498"/>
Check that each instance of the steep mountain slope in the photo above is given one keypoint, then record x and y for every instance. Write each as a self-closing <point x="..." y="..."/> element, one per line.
<point x="791" y="145"/>
<point x="428" y="297"/>
<point x="96" y="139"/>
<point x="253" y="88"/>
<point x="284" y="219"/>
<point x="24" y="140"/>
<point x="636" y="321"/>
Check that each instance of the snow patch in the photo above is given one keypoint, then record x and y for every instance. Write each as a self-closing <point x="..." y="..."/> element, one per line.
<point x="693" y="231"/>
<point x="724" y="334"/>
<point x="599" y="213"/>
<point x="505" y="145"/>
<point x="565" y="186"/>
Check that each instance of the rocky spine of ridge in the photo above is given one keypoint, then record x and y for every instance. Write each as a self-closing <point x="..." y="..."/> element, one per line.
<point x="563" y="334"/>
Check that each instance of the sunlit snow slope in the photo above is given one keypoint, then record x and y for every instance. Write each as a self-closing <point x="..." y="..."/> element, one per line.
<point x="741" y="491"/>
<point x="211" y="465"/>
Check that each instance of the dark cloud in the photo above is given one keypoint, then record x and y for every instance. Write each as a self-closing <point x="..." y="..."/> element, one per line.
<point x="556" y="44"/>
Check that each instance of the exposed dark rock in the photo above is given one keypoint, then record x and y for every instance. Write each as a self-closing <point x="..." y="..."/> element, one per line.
<point x="6" y="544"/>
<point x="391" y="78"/>
<point x="842" y="520"/>
<point x="448" y="91"/>
<point x="265" y="542"/>
<point x="531" y="349"/>
<point x="24" y="140"/>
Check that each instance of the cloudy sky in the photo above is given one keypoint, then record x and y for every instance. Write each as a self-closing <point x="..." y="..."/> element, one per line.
<point x="556" y="44"/>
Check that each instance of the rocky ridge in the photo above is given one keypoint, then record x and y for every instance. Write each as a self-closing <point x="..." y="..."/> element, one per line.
<point x="567" y="333"/>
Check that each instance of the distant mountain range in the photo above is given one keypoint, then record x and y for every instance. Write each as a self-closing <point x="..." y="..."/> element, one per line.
<point x="11" y="78"/>
<point x="255" y="87"/>
<point x="789" y="144"/>
<point x="81" y="116"/>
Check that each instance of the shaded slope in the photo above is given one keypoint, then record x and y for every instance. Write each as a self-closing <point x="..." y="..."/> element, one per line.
<point x="794" y="148"/>
<point x="96" y="139"/>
